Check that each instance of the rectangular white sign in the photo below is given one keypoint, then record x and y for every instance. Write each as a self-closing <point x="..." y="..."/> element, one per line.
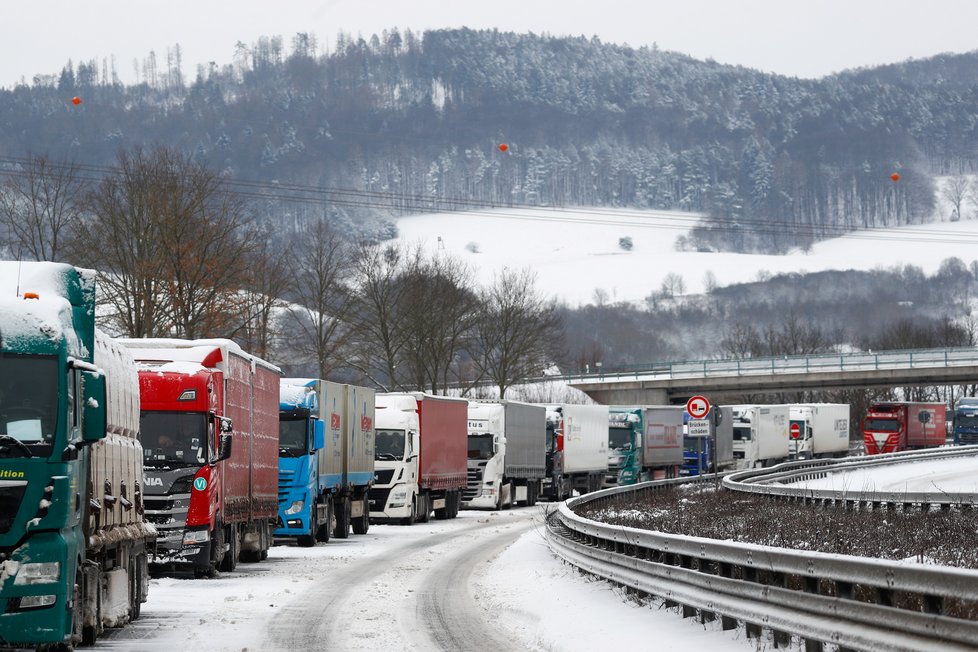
<point x="698" y="428"/>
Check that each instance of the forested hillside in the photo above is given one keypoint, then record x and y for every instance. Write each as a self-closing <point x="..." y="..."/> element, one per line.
<point x="413" y="122"/>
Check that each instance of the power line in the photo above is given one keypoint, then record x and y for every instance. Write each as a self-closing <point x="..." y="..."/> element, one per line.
<point x="627" y="218"/>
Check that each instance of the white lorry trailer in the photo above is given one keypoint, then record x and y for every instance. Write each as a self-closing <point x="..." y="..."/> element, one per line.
<point x="818" y="430"/>
<point x="577" y="449"/>
<point x="760" y="435"/>
<point x="507" y="454"/>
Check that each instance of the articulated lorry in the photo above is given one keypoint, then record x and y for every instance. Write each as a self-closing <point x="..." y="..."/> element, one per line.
<point x="74" y="541"/>
<point x="209" y="420"/>
<point x="644" y="443"/>
<point x="421" y="460"/>
<point x="326" y="459"/>
<point x="577" y="449"/>
<point x="903" y="425"/>
<point x="708" y="442"/>
<point x="964" y="421"/>
<point x="507" y="454"/>
<point x="818" y="430"/>
<point x="760" y="435"/>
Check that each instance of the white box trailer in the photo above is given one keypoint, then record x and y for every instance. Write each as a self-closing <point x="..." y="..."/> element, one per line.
<point x="819" y="430"/>
<point x="577" y="449"/>
<point x="760" y="435"/>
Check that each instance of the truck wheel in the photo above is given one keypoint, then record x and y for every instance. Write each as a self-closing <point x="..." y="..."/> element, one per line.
<point x="362" y="523"/>
<point x="342" y="530"/>
<point x="323" y="531"/>
<point x="308" y="540"/>
<point x="230" y="560"/>
<point x="413" y="514"/>
<point x="424" y="514"/>
<point x="531" y="494"/>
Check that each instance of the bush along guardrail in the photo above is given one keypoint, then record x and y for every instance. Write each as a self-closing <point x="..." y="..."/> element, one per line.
<point x="852" y="603"/>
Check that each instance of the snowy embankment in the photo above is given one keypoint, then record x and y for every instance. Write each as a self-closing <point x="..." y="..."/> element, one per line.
<point x="942" y="476"/>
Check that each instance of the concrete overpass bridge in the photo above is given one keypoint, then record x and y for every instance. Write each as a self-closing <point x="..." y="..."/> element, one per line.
<point x="674" y="382"/>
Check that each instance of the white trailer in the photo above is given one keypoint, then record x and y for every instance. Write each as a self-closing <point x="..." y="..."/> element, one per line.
<point x="577" y="449"/>
<point x="819" y="430"/>
<point x="507" y="454"/>
<point x="760" y="435"/>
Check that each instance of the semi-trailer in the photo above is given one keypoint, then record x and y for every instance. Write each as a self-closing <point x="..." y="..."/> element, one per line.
<point x="506" y="454"/>
<point x="577" y="449"/>
<point x="421" y="457"/>
<point x="326" y="459"/>
<point x="903" y="425"/>
<point x="760" y="435"/>
<point x="818" y="430"/>
<point x="644" y="443"/>
<point x="74" y="540"/>
<point x="209" y="418"/>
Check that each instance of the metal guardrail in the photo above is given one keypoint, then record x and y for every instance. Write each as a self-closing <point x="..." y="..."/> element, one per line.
<point x="849" y="602"/>
<point x="858" y="361"/>
<point x="777" y="481"/>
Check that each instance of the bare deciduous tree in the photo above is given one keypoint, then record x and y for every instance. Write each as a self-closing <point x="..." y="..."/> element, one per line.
<point x="955" y="191"/>
<point x="519" y="333"/>
<point x="167" y="236"/>
<point x="322" y="261"/>
<point x="38" y="205"/>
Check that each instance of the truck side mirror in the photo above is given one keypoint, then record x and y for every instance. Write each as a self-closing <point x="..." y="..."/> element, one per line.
<point x="224" y="446"/>
<point x="717" y="415"/>
<point x="225" y="424"/>
<point x="93" y="407"/>
<point x="318" y="434"/>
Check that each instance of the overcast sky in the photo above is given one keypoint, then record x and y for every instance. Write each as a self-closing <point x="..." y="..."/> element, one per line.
<point x="806" y="39"/>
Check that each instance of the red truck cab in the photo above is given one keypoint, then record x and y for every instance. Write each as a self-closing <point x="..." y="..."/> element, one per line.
<point x="903" y="425"/>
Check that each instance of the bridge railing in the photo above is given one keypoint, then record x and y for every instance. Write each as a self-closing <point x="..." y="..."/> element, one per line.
<point x="823" y="362"/>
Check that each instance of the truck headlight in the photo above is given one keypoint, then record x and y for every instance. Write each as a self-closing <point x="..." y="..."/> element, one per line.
<point x="38" y="573"/>
<point x="34" y="601"/>
<point x="295" y="507"/>
<point x="196" y="537"/>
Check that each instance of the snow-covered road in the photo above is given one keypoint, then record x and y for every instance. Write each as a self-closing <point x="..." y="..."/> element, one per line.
<point x="484" y="581"/>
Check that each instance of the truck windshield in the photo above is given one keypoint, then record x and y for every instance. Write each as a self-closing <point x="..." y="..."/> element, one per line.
<point x="966" y="421"/>
<point x="480" y="447"/>
<point x="741" y="433"/>
<point x="28" y="403"/>
<point x="389" y="445"/>
<point x="293" y="437"/>
<point x="619" y="438"/>
<point x="882" y="425"/>
<point x="174" y="438"/>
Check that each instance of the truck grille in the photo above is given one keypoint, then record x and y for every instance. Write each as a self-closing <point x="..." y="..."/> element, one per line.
<point x="968" y="438"/>
<point x="168" y="514"/>
<point x="284" y="484"/>
<point x="383" y="476"/>
<point x="378" y="498"/>
<point x="474" y="481"/>
<point x="10" y="500"/>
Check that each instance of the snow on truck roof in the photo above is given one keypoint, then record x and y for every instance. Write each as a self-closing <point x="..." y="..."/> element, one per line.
<point x="169" y="350"/>
<point x="34" y="300"/>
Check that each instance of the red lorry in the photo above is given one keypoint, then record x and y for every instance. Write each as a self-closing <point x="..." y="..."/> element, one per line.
<point x="421" y="457"/>
<point x="209" y="421"/>
<point x="901" y="425"/>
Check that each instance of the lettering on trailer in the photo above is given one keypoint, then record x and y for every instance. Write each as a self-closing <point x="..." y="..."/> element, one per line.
<point x="150" y="481"/>
<point x="334" y="421"/>
<point x="477" y="424"/>
<point x="842" y="427"/>
<point x="366" y="423"/>
<point x="663" y="436"/>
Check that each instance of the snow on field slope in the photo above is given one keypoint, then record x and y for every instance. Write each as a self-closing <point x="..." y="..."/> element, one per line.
<point x="943" y="476"/>
<point x="576" y="251"/>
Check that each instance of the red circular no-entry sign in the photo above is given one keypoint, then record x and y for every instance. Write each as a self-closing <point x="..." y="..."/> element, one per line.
<point x="795" y="431"/>
<point x="698" y="407"/>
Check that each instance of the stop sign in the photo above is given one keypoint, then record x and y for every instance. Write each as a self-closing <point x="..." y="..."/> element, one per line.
<point x="795" y="431"/>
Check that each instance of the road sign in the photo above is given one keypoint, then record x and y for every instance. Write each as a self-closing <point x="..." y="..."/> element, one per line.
<point x="795" y="431"/>
<point x="698" y="407"/>
<point x="698" y="428"/>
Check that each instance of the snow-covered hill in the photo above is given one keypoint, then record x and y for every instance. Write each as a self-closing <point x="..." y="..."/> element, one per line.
<point x="576" y="252"/>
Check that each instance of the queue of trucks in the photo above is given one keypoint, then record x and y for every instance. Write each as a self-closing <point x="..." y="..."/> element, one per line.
<point x="119" y="457"/>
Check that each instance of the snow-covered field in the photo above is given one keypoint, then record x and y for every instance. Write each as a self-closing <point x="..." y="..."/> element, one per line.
<point x="575" y="252"/>
<point x="944" y="476"/>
